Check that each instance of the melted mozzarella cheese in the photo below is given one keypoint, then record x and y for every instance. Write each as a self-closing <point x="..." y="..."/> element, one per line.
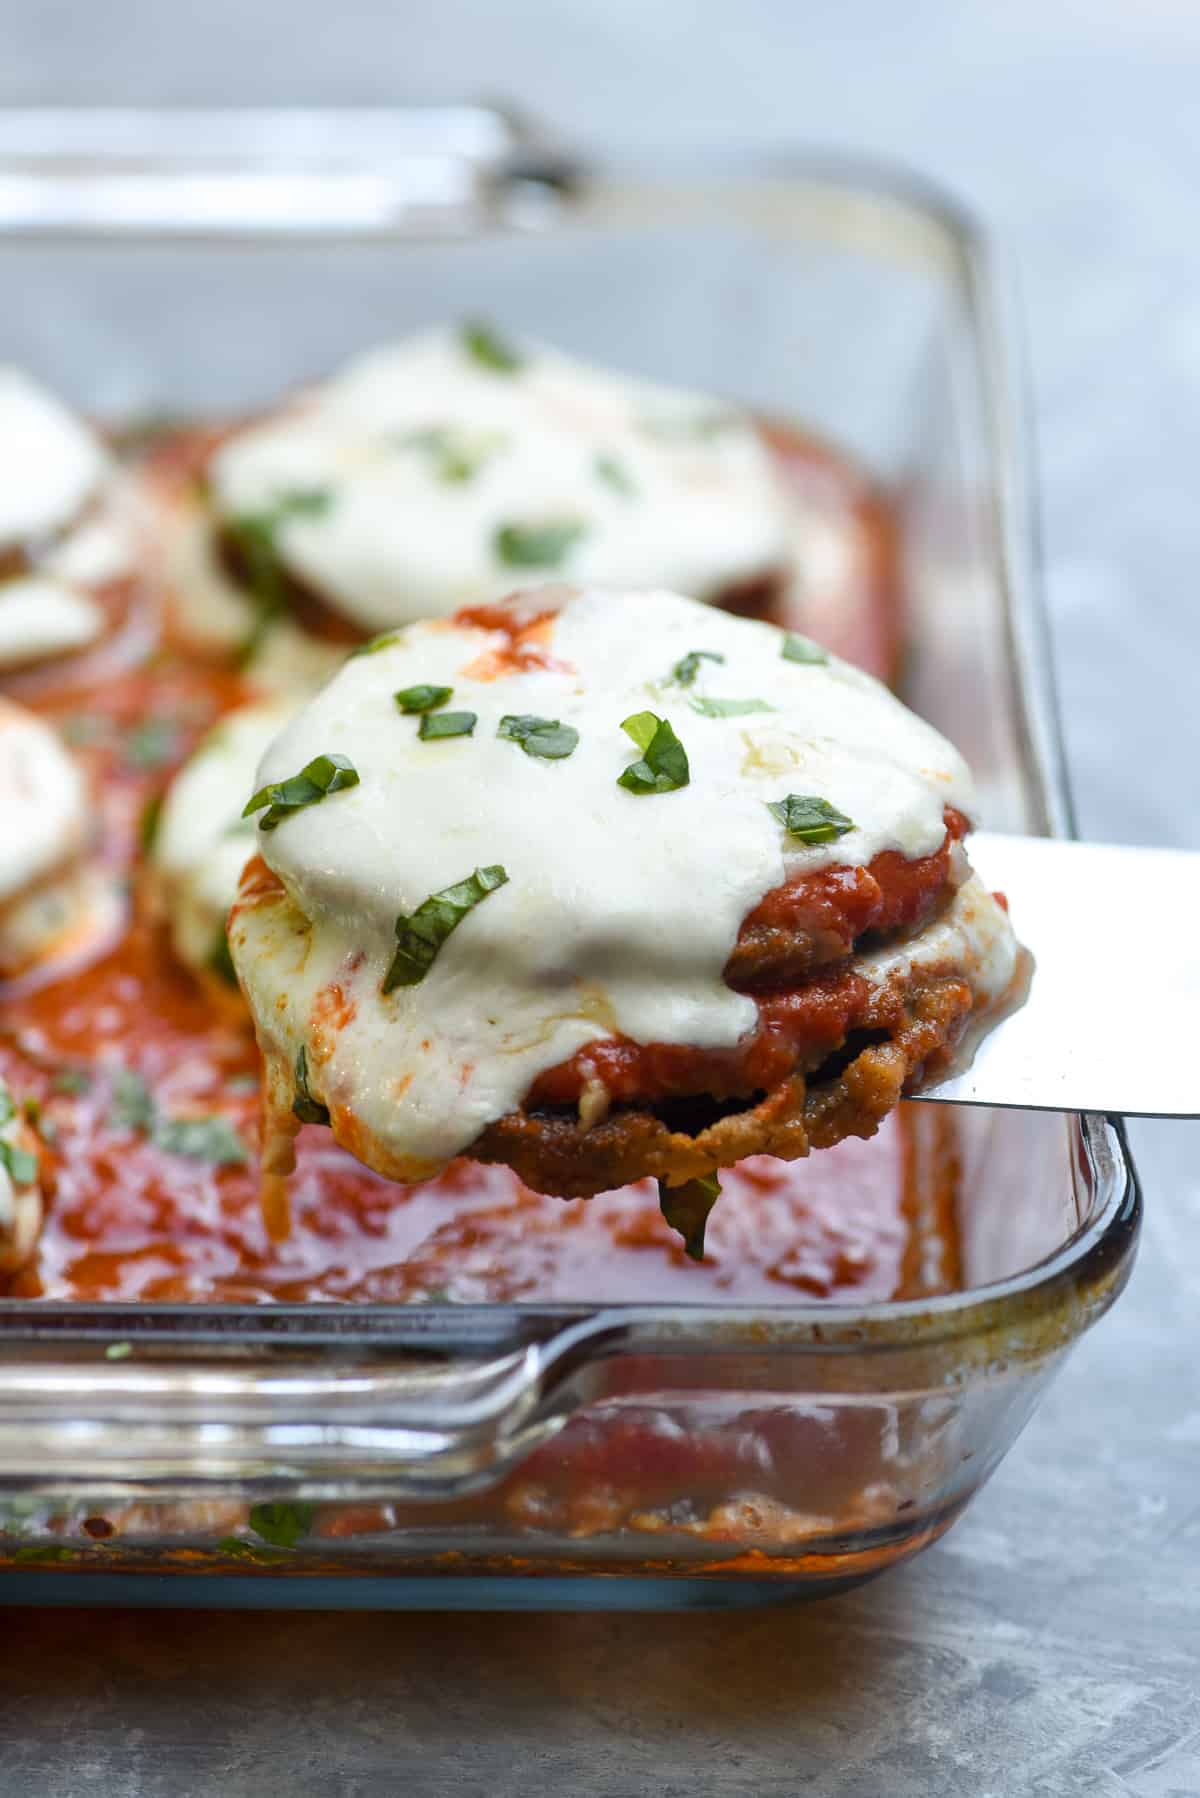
<point x="53" y="901"/>
<point x="201" y="842"/>
<point x="52" y="462"/>
<point x="620" y="910"/>
<point x="40" y="617"/>
<point x="43" y="798"/>
<point x="422" y="456"/>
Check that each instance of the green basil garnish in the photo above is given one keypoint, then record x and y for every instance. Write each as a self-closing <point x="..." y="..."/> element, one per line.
<point x="373" y="645"/>
<point x="488" y="347"/>
<point x="446" y="724"/>
<point x="537" y="545"/>
<point x="325" y="774"/>
<point x="220" y="961"/>
<point x="686" y="1209"/>
<point x="211" y="1139"/>
<point x="614" y="474"/>
<point x="306" y="1108"/>
<point x="151" y="816"/>
<point x="281" y="1524"/>
<point x="796" y="648"/>
<point x="254" y="535"/>
<point x="812" y="820"/>
<point x="728" y="708"/>
<point x="422" y="698"/>
<point x="21" y="1166"/>
<point x="152" y="743"/>
<point x="420" y="934"/>
<point x="455" y="454"/>
<point x="71" y="1080"/>
<point x="545" y="737"/>
<point x="688" y="667"/>
<point x="132" y="1101"/>
<point x="8" y="1106"/>
<point x="664" y="764"/>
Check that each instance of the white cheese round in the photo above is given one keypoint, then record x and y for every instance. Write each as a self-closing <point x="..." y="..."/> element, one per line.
<point x="417" y="480"/>
<point x="41" y="617"/>
<point x="201" y="842"/>
<point x="620" y="910"/>
<point x="43" y="799"/>
<point x="52" y="462"/>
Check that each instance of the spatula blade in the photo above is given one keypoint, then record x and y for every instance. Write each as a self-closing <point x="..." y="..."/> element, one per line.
<point x="1112" y="1019"/>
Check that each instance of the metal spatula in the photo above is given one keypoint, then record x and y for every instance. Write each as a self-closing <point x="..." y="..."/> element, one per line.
<point x="1112" y="1019"/>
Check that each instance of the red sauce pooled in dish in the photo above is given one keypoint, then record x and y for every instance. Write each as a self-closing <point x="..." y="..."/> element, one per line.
<point x="114" y="1049"/>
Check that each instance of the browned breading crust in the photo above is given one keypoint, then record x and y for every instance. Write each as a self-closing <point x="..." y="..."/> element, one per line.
<point x="554" y="1153"/>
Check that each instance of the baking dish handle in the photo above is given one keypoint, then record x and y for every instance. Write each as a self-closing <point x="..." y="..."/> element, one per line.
<point x="407" y="172"/>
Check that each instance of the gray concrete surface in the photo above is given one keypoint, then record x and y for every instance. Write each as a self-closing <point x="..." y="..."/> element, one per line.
<point x="1051" y="1645"/>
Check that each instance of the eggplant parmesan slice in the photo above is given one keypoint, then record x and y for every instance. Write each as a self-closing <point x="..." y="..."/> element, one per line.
<point x="437" y="471"/>
<point x="606" y="885"/>
<point x="69" y="535"/>
<point x="56" y="902"/>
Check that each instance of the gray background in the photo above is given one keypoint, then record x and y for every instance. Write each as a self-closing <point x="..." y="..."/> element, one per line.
<point x="1051" y="1645"/>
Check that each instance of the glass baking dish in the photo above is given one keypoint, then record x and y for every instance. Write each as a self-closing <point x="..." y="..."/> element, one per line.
<point x="459" y="1456"/>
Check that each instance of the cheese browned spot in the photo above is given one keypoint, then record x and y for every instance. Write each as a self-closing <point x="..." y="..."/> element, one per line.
<point x="622" y="901"/>
<point x="423" y="477"/>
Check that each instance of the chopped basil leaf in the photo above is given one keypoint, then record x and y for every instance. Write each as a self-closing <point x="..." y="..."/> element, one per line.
<point x="686" y="1209"/>
<point x="325" y="774"/>
<point x="373" y="645"/>
<point x="281" y="1524"/>
<point x="254" y="537"/>
<point x="118" y="1351"/>
<point x="8" y="1108"/>
<point x="200" y="1138"/>
<point x="688" y="667"/>
<point x="802" y="649"/>
<point x="212" y="1139"/>
<point x="537" y="545"/>
<point x="446" y="724"/>
<point x="21" y="1166"/>
<point x="132" y="1101"/>
<point x="455" y="454"/>
<point x="421" y="934"/>
<point x="148" y="828"/>
<point x="664" y="764"/>
<point x="71" y="1080"/>
<point x="422" y="699"/>
<point x="812" y="820"/>
<point x="728" y="708"/>
<point x="152" y="743"/>
<point x="614" y="474"/>
<point x="220" y="961"/>
<point x="487" y="346"/>
<point x="545" y="737"/>
<point x="306" y="1108"/>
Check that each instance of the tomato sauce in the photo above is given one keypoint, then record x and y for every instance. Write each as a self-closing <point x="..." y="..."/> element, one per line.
<point x="144" y="1085"/>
